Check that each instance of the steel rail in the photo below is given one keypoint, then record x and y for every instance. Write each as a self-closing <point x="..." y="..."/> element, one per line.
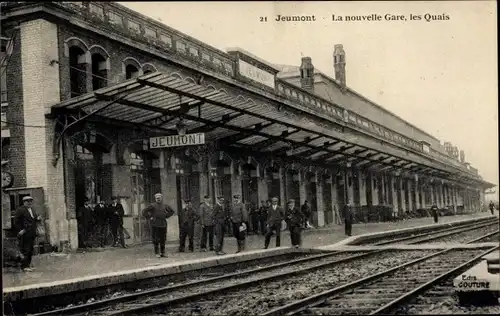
<point x="313" y="300"/>
<point x="128" y="297"/>
<point x="452" y="230"/>
<point x="133" y="296"/>
<point x="458" y="231"/>
<point x="393" y="304"/>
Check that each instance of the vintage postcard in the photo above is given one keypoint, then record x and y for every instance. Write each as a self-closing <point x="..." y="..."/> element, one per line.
<point x="251" y="157"/>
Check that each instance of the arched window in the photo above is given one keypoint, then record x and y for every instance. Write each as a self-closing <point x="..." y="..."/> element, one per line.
<point x="131" y="71"/>
<point x="77" y="71"/>
<point x="99" y="72"/>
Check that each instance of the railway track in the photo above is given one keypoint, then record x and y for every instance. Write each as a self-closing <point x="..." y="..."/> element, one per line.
<point x="433" y="235"/>
<point x="354" y="264"/>
<point x="382" y="292"/>
<point x="441" y="298"/>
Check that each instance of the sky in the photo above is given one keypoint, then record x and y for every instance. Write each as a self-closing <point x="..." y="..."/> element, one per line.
<point x="439" y="75"/>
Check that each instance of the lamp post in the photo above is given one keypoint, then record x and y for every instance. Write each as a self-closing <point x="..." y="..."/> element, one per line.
<point x="181" y="127"/>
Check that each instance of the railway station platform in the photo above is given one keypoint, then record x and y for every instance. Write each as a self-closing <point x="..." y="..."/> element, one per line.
<point x="71" y="268"/>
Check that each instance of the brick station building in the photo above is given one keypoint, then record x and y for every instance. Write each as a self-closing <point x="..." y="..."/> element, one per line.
<point x="95" y="95"/>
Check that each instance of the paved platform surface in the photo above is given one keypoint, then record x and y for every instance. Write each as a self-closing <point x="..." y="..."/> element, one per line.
<point x="58" y="267"/>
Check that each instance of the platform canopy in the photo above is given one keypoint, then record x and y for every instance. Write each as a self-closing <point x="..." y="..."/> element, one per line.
<point x="157" y="101"/>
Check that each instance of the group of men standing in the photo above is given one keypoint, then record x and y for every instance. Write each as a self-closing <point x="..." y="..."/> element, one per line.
<point x="213" y="219"/>
<point x="97" y="221"/>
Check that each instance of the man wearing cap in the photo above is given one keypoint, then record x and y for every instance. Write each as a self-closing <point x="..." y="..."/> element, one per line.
<point x="84" y="218"/>
<point x="187" y="219"/>
<point x="239" y="216"/>
<point x="275" y="215"/>
<point x="348" y="218"/>
<point x="294" y="218"/>
<point x="158" y="213"/>
<point x="264" y="207"/>
<point x="102" y="219"/>
<point x="220" y="217"/>
<point x="207" y="224"/>
<point x="25" y="221"/>
<point x="117" y="213"/>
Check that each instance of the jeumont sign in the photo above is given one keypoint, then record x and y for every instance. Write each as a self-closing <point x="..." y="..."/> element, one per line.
<point x="177" y="140"/>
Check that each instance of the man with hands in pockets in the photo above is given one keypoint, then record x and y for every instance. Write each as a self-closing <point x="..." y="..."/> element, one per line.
<point x="25" y="221"/>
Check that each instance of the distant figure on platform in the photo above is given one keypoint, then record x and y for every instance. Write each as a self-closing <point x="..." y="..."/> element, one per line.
<point x="434" y="212"/>
<point x="25" y="221"/>
<point x="492" y="208"/>
<point x="348" y="218"/>
<point x="219" y="221"/>
<point x="84" y="218"/>
<point x="187" y="219"/>
<point x="306" y="210"/>
<point x="158" y="213"/>
<point x="238" y="218"/>
<point x="263" y="211"/>
<point x="294" y="219"/>
<point x="102" y="219"/>
<point x="117" y="213"/>
<point x="275" y="215"/>
<point x="254" y="218"/>
<point x="207" y="224"/>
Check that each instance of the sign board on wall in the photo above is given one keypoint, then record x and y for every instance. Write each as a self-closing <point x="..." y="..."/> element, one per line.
<point x="177" y="140"/>
<point x="256" y="74"/>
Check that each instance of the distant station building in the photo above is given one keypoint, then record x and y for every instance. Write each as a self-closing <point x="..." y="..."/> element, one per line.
<point x="102" y="101"/>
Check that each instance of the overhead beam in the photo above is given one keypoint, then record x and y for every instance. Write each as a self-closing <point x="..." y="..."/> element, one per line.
<point x="184" y="108"/>
<point x="220" y="104"/>
<point x="268" y="142"/>
<point x="227" y="141"/>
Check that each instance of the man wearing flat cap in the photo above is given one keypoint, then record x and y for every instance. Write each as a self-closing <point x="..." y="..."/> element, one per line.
<point x="220" y="217"/>
<point x="207" y="224"/>
<point x="158" y="213"/>
<point x="85" y="217"/>
<point x="294" y="218"/>
<point x="275" y="215"/>
<point x="117" y="213"/>
<point x="187" y="219"/>
<point x="25" y="221"/>
<point x="239" y="217"/>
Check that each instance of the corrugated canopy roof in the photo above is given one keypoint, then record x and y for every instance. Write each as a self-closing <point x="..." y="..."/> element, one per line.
<point x="157" y="100"/>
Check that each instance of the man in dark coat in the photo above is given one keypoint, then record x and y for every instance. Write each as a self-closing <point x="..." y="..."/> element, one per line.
<point x="187" y="219"/>
<point x="85" y="219"/>
<point x="25" y="220"/>
<point x="117" y="213"/>
<point x="220" y="217"/>
<point x="435" y="212"/>
<point x="207" y="224"/>
<point x="295" y="219"/>
<point x="306" y="210"/>
<point x="275" y="215"/>
<point x="492" y="208"/>
<point x="263" y="216"/>
<point x="348" y="218"/>
<point x="158" y="213"/>
<point x="102" y="219"/>
<point x="239" y="217"/>
<point x="254" y="217"/>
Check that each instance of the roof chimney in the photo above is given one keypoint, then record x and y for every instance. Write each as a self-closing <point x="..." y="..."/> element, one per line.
<point x="307" y="74"/>
<point x="339" y="63"/>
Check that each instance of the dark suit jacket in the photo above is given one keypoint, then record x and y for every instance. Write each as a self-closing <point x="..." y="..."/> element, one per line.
<point x="275" y="217"/>
<point x="23" y="220"/>
<point x="220" y="214"/>
<point x="294" y="217"/>
<point x="117" y="213"/>
<point x="84" y="215"/>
